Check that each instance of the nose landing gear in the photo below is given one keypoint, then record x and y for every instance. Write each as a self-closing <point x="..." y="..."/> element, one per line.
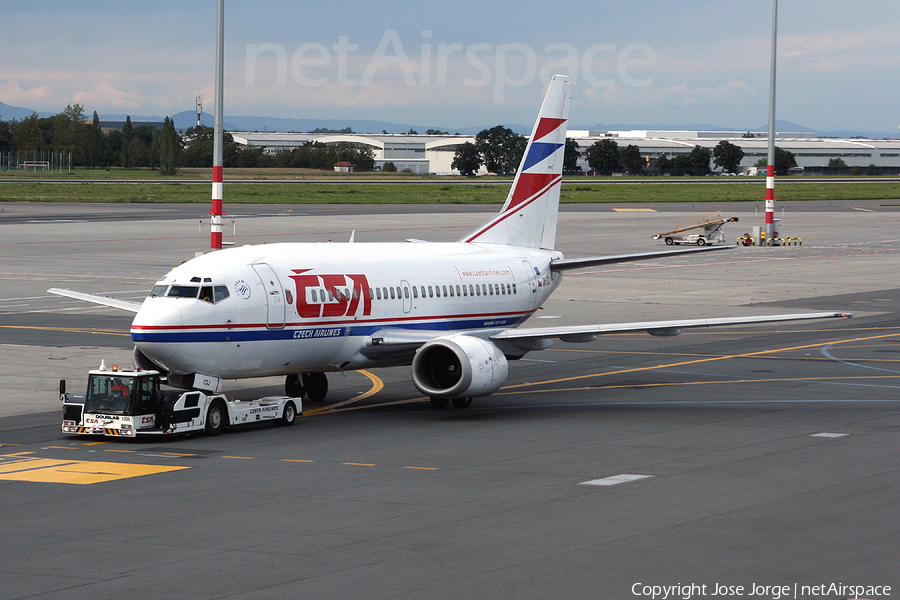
<point x="313" y="385"/>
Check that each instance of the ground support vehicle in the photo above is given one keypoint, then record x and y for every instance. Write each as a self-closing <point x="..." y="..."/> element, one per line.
<point x="710" y="223"/>
<point x="131" y="403"/>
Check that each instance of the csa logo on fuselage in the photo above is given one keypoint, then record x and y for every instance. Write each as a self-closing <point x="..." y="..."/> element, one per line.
<point x="242" y="289"/>
<point x="331" y="295"/>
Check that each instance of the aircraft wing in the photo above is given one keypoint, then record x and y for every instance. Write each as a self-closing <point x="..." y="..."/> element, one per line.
<point x="128" y="305"/>
<point x="391" y="341"/>
<point x="587" y="333"/>
<point x="592" y="261"/>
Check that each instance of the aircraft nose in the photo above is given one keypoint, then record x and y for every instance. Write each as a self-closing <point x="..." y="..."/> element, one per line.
<point x="156" y="328"/>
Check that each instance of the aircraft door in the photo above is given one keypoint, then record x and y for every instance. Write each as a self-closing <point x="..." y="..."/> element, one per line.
<point x="531" y="280"/>
<point x="275" y="306"/>
<point x="407" y="296"/>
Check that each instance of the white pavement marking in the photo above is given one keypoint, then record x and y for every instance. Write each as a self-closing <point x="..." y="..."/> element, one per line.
<point x="616" y="479"/>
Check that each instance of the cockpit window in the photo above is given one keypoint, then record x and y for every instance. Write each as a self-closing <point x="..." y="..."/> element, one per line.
<point x="206" y="293"/>
<point x="183" y="291"/>
<point x="213" y="294"/>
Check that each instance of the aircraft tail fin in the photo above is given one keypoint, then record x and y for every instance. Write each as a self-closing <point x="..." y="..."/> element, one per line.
<point x="528" y="218"/>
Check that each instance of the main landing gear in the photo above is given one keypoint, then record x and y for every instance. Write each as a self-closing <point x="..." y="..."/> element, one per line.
<point x="313" y="385"/>
<point x="457" y="402"/>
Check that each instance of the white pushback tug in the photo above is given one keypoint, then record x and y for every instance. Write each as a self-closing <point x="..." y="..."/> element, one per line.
<point x="131" y="403"/>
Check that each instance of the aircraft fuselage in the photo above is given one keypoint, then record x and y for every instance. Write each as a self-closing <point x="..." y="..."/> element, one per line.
<point x="279" y="309"/>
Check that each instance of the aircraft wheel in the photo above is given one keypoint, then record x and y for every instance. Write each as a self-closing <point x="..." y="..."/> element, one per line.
<point x="440" y="402"/>
<point x="215" y="418"/>
<point x="462" y="402"/>
<point x="701" y="242"/>
<point x="316" y="386"/>
<point x="669" y="241"/>
<point x="289" y="415"/>
<point x="293" y="387"/>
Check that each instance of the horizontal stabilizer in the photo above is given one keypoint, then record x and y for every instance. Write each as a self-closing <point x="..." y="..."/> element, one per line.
<point x="128" y="305"/>
<point x="593" y="261"/>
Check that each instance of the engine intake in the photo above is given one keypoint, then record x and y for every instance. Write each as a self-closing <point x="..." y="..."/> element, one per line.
<point x="459" y="366"/>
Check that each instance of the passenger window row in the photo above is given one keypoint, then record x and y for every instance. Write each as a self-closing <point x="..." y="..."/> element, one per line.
<point x="403" y="292"/>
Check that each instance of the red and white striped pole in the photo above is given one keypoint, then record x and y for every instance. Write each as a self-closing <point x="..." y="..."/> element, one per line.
<point x="770" y="201"/>
<point x="770" y="168"/>
<point x="215" y="240"/>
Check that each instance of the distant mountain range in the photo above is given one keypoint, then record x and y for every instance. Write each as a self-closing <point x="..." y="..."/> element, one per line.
<point x="186" y="119"/>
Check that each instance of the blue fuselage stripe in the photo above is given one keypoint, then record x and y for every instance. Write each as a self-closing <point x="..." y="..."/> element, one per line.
<point x="318" y="332"/>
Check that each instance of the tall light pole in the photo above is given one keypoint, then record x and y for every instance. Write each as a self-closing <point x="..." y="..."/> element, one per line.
<point x="215" y="241"/>
<point x="770" y="169"/>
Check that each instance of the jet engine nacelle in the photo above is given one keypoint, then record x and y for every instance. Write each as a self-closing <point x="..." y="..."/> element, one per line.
<point x="459" y="366"/>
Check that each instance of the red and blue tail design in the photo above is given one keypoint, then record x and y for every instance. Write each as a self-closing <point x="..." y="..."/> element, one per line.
<point x="529" y="216"/>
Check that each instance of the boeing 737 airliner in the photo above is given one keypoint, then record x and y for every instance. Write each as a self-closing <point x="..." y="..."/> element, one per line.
<point x="451" y="310"/>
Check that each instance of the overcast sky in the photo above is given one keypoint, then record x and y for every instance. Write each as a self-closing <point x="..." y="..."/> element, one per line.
<point x="476" y="63"/>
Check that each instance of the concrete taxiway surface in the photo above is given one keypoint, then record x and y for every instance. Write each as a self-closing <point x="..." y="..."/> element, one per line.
<point x="739" y="456"/>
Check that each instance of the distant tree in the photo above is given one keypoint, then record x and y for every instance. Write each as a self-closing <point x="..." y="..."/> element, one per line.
<point x="501" y="149"/>
<point x="5" y="136"/>
<point x="127" y="135"/>
<point x="198" y="151"/>
<point x="632" y="160"/>
<point x="681" y="165"/>
<point x="837" y="163"/>
<point x="169" y="148"/>
<point x="111" y="147"/>
<point x="138" y="153"/>
<point x="700" y="158"/>
<point x="603" y="156"/>
<point x="436" y="132"/>
<point x="27" y="135"/>
<point x="728" y="156"/>
<point x="412" y="132"/>
<point x="515" y="153"/>
<point x="74" y="112"/>
<point x="873" y="170"/>
<point x="327" y="130"/>
<point x="784" y="161"/>
<point x="389" y="167"/>
<point x="93" y="143"/>
<point x="571" y="155"/>
<point x="663" y="164"/>
<point x="466" y="159"/>
<point x="359" y="156"/>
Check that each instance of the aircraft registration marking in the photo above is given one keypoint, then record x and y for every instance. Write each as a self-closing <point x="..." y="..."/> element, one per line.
<point x="80" y="472"/>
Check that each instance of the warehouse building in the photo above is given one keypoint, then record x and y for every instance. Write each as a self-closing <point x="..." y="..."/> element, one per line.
<point x="424" y="154"/>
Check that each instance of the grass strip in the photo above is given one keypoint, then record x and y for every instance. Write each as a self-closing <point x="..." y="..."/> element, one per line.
<point x="435" y="193"/>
